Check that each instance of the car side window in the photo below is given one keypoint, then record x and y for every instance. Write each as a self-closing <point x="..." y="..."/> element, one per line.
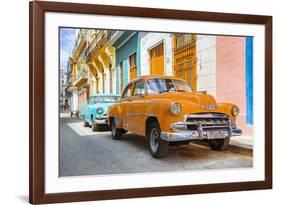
<point x="128" y="91"/>
<point x="89" y="101"/>
<point x="139" y="89"/>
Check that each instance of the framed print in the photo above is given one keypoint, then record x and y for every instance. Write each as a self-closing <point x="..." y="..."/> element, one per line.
<point x="132" y="102"/>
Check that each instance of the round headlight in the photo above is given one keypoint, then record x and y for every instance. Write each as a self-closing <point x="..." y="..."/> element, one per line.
<point x="99" y="110"/>
<point x="235" y="110"/>
<point x="175" y="108"/>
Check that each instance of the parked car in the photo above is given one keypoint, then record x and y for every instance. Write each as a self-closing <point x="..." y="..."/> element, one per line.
<point x="95" y="111"/>
<point x="166" y="110"/>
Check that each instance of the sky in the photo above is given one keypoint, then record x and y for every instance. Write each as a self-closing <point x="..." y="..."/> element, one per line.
<point x="67" y="41"/>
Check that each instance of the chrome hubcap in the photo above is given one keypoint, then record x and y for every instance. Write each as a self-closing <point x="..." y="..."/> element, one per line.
<point x="154" y="140"/>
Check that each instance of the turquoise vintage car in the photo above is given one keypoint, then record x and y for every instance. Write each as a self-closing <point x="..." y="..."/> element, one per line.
<point x="95" y="111"/>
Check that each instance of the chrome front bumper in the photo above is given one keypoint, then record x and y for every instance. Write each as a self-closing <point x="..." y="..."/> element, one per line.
<point x="102" y="121"/>
<point x="208" y="130"/>
<point x="195" y="135"/>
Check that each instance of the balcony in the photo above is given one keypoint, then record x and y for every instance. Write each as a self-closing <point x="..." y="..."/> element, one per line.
<point x="79" y="44"/>
<point x="100" y="39"/>
<point x="80" y="80"/>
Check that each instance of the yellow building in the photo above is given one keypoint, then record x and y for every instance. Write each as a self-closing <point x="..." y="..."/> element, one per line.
<point x="80" y="74"/>
<point x="100" y="58"/>
<point x="93" y="66"/>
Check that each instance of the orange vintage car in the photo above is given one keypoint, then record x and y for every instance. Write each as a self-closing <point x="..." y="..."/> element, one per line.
<point x="165" y="110"/>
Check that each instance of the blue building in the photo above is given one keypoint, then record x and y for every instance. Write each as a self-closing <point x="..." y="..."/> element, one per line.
<point x="127" y="52"/>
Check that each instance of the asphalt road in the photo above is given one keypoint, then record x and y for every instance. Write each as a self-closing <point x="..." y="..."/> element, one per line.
<point x="83" y="152"/>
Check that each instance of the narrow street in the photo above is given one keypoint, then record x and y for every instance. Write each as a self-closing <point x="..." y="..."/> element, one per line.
<point x="84" y="152"/>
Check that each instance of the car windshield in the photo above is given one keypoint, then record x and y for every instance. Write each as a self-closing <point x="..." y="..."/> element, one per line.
<point x="160" y="85"/>
<point x="105" y="99"/>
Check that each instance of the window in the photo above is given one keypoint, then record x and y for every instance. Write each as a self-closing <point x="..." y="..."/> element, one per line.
<point x="182" y="86"/>
<point x="139" y="89"/>
<point x="160" y="85"/>
<point x="128" y="91"/>
<point x="133" y="60"/>
<point x="133" y="66"/>
<point x="121" y="76"/>
<point x="183" y="39"/>
<point x="104" y="99"/>
<point x="91" y="101"/>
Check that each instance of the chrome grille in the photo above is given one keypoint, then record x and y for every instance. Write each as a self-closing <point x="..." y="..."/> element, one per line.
<point x="207" y="121"/>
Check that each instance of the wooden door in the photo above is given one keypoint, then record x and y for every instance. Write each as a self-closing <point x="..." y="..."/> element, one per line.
<point x="133" y="66"/>
<point x="157" y="60"/>
<point x="185" y="58"/>
<point x="121" y="77"/>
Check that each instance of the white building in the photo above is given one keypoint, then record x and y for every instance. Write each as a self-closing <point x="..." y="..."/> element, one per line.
<point x="156" y="53"/>
<point x="206" y="63"/>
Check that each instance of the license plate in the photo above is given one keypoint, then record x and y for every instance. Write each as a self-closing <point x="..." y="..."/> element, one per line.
<point x="215" y="135"/>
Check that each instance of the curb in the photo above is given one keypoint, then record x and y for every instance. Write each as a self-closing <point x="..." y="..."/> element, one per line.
<point x="241" y="149"/>
<point x="234" y="147"/>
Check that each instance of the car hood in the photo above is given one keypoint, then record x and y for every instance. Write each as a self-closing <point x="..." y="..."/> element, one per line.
<point x="188" y="97"/>
<point x="191" y="102"/>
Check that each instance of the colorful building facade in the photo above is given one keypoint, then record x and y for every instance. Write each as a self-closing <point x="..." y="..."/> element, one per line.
<point x="224" y="69"/>
<point x="127" y="47"/>
<point x="93" y="66"/>
<point x="100" y="58"/>
<point x="79" y="73"/>
<point x="104" y="61"/>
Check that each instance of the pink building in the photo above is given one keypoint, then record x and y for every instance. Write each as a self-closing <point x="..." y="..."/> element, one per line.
<point x="225" y="63"/>
<point x="231" y="75"/>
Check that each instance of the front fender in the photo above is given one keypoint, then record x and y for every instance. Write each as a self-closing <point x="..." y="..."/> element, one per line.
<point x="160" y="109"/>
<point x="115" y="112"/>
<point x="227" y="106"/>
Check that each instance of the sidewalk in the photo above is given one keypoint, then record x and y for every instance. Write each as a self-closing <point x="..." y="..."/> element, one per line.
<point x="242" y="145"/>
<point x="238" y="144"/>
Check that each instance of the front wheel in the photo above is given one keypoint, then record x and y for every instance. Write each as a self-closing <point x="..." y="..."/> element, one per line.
<point x="85" y="123"/>
<point x="219" y="144"/>
<point x="94" y="127"/>
<point x="157" y="147"/>
<point x="116" y="132"/>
